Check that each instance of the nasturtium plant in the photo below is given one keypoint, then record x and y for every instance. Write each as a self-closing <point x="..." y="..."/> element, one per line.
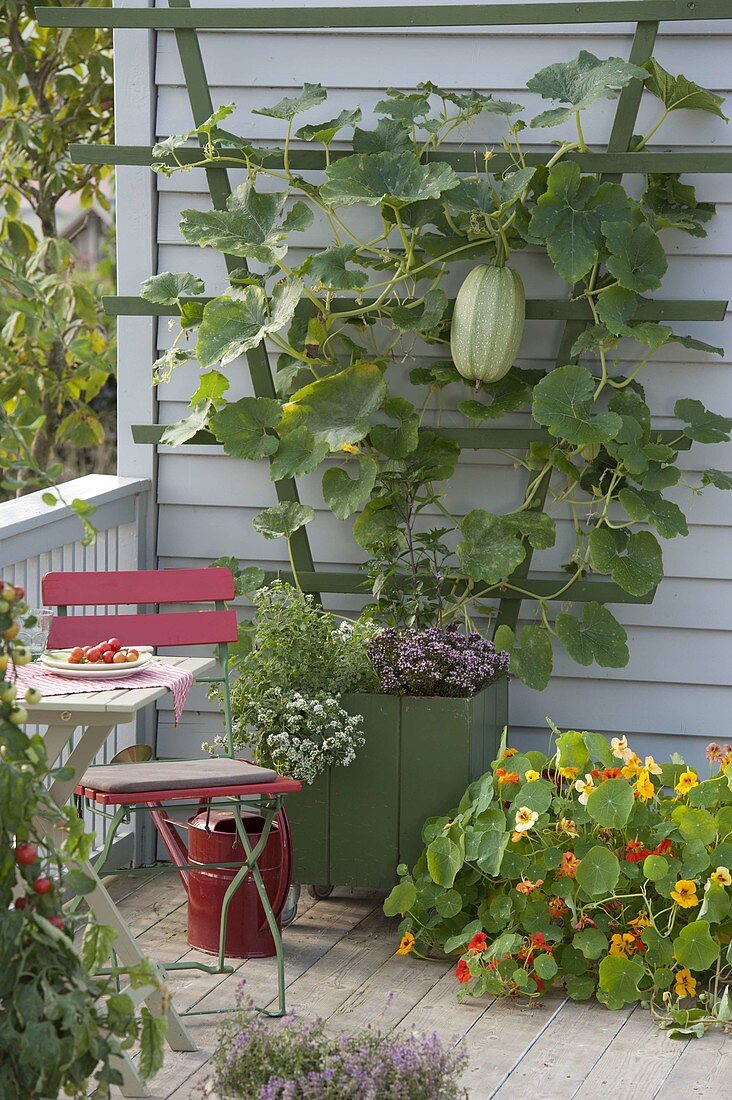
<point x="591" y="868"/>
<point x="352" y="322"/>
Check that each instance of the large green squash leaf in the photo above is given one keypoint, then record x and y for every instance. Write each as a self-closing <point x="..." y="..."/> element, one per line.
<point x="402" y="440"/>
<point x="678" y="93"/>
<point x="326" y="131"/>
<point x="531" y="657"/>
<point x="310" y="96"/>
<point x="336" y="408"/>
<point x="392" y="178"/>
<point x="636" y="257"/>
<point x="329" y="269"/>
<point x="250" y="226"/>
<point x="344" y="494"/>
<point x="489" y="550"/>
<point x="665" y="515"/>
<point x="635" y="562"/>
<point x="168" y="287"/>
<point x="282" y="520"/>
<point x="580" y="83"/>
<point x="242" y="427"/>
<point x="563" y="402"/>
<point x="240" y="320"/>
<point x="298" y="453"/>
<point x="597" y="636"/>
<point x="701" y="424"/>
<point x="568" y="217"/>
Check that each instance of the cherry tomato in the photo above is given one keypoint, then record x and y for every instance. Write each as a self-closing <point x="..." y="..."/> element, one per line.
<point x="119" y="659"/>
<point x="93" y="655"/>
<point x="76" y="653"/>
<point x="56" y="921"/>
<point x="108" y="657"/>
<point x="21" y="903"/>
<point x="132" y="655"/>
<point x="32" y="697"/>
<point x="19" y="591"/>
<point x="115" y="644"/>
<point x="43" y="885"/>
<point x="25" y="854"/>
<point x="105" y="647"/>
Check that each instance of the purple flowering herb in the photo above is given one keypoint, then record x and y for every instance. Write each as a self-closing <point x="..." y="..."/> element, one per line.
<point x="435" y="661"/>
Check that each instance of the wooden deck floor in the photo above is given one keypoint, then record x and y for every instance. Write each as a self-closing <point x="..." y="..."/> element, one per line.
<point x="341" y="966"/>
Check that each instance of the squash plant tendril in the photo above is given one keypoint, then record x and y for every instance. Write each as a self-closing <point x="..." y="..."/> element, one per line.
<point x="345" y="319"/>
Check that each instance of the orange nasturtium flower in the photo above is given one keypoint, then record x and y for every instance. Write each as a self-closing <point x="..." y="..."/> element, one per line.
<point x="478" y="943"/>
<point x="685" y="983"/>
<point x="462" y="972"/>
<point x="721" y="876"/>
<point x="558" y="907"/>
<point x="623" y="945"/>
<point x="643" y="786"/>
<point x="568" y="866"/>
<point x="684" y="893"/>
<point x="526" y="886"/>
<point x="406" y="945"/>
<point x="687" y="781"/>
<point x="508" y="752"/>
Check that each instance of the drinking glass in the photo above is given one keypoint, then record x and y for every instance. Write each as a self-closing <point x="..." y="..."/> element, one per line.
<point x="36" y="636"/>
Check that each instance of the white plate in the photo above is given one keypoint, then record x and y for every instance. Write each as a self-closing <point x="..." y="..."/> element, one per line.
<point x="93" y="672"/>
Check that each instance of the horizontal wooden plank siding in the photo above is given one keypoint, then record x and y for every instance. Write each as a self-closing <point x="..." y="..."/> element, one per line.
<point x="675" y="694"/>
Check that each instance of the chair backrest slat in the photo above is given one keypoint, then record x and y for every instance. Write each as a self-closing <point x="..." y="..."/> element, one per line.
<point x="148" y="586"/>
<point x="177" y="628"/>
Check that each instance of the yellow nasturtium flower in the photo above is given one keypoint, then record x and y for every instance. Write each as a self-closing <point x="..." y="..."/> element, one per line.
<point x="569" y="773"/>
<point x="406" y="945"/>
<point x="632" y="765"/>
<point x="721" y="876"/>
<point x="652" y="767"/>
<point x="619" y="747"/>
<point x="585" y="787"/>
<point x="684" y="893"/>
<point x="643" y="786"/>
<point x="685" y="983"/>
<point x="623" y="945"/>
<point x="687" y="781"/>
<point x="531" y="776"/>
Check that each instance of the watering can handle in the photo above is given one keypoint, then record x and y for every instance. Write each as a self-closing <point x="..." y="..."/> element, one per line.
<point x="283" y="884"/>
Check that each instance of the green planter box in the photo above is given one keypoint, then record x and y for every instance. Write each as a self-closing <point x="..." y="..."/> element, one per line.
<point x="354" y="825"/>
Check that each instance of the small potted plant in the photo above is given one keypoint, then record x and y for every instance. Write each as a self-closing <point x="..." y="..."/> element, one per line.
<point x="382" y="725"/>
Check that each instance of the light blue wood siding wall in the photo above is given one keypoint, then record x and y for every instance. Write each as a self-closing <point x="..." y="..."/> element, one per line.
<point x="675" y="694"/>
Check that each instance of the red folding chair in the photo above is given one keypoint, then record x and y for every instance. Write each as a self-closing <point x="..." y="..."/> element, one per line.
<point x="146" y="787"/>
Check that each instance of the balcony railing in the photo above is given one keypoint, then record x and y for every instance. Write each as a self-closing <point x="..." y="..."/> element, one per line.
<point x="36" y="538"/>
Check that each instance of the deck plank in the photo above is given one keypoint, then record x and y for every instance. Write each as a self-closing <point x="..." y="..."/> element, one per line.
<point x="340" y="965"/>
<point x="702" y="1072"/>
<point x="635" y="1064"/>
<point x="499" y="1040"/>
<point x="440" y="1012"/>
<point x="562" y="1068"/>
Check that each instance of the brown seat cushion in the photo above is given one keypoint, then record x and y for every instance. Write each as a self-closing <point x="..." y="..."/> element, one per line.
<point x="160" y="775"/>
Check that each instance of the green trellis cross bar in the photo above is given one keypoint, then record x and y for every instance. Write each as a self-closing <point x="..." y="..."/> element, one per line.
<point x="617" y="160"/>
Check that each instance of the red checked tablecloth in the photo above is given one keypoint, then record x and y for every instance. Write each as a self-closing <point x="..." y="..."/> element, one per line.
<point x="156" y="674"/>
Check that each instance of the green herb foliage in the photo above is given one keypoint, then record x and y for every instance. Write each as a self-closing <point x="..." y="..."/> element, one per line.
<point x="348" y="318"/>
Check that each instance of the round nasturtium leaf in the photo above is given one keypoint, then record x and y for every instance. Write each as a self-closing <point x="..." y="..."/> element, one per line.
<point x="449" y="904"/>
<point x="598" y="871"/>
<point x="444" y="860"/>
<point x="611" y="804"/>
<point x="545" y="966"/>
<point x="694" y="947"/>
<point x="619" y="981"/>
<point x="591" y="942"/>
<point x="580" y="987"/>
<point x="695" y="824"/>
<point x="655" y="868"/>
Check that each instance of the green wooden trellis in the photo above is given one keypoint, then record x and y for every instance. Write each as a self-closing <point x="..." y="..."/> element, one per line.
<point x="617" y="160"/>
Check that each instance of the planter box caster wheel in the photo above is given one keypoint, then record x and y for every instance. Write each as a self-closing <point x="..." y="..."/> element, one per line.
<point x="320" y="893"/>
<point x="289" y="911"/>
